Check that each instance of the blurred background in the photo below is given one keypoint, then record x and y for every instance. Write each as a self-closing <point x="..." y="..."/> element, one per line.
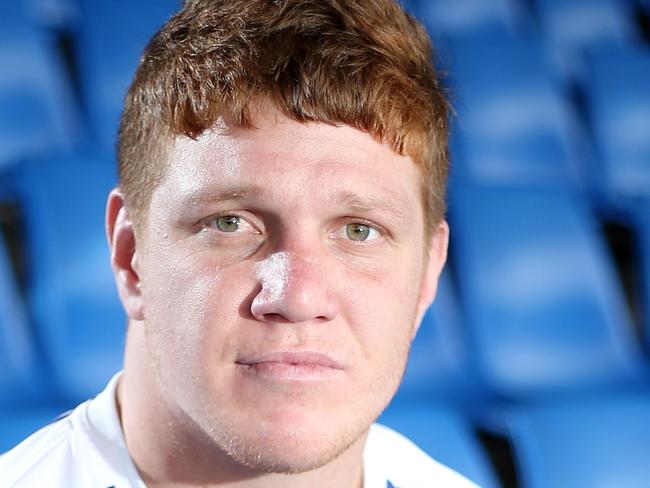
<point x="532" y="367"/>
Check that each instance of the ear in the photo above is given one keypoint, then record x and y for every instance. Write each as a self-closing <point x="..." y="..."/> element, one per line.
<point x="436" y="260"/>
<point x="124" y="256"/>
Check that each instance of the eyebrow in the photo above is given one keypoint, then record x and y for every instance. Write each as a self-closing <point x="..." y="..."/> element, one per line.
<point x="224" y="195"/>
<point x="393" y="204"/>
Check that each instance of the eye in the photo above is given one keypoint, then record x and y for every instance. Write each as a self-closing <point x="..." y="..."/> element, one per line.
<point x="228" y="223"/>
<point x="360" y="232"/>
<point x="231" y="224"/>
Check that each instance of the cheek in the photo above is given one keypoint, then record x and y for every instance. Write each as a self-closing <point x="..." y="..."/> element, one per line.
<point x="386" y="294"/>
<point x="192" y="306"/>
<point x="381" y="307"/>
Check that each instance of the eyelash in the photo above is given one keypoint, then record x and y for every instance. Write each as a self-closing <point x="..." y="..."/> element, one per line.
<point x="205" y="223"/>
<point x="359" y="221"/>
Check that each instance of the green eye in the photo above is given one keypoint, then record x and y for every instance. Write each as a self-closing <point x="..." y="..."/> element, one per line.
<point x="228" y="223"/>
<point x="357" y="232"/>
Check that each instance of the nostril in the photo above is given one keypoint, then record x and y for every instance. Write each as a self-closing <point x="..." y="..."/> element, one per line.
<point x="276" y="318"/>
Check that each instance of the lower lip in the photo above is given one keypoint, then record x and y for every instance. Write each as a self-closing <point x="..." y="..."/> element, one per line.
<point x="288" y="372"/>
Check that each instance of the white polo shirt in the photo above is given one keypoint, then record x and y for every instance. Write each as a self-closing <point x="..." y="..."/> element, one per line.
<point x="86" y="449"/>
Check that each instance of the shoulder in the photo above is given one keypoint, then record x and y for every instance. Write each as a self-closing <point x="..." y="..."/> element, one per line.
<point x="86" y="448"/>
<point x="44" y="454"/>
<point x="404" y="464"/>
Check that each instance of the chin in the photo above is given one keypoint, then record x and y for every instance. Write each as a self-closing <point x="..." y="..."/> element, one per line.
<point x="286" y="434"/>
<point x="295" y="442"/>
<point x="293" y="453"/>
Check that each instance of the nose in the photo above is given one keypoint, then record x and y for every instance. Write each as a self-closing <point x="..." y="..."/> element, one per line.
<point x="293" y="289"/>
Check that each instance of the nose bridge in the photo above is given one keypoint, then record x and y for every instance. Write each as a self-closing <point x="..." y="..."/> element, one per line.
<point x="293" y="289"/>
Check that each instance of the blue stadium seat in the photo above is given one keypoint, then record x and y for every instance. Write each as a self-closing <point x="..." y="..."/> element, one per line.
<point x="438" y="362"/>
<point x="26" y="400"/>
<point x="54" y="14"/>
<point x="72" y="295"/>
<point x="541" y="298"/>
<point x="18" y="361"/>
<point x="591" y="443"/>
<point x="112" y="36"/>
<point x="37" y="107"/>
<point x="618" y="94"/>
<point x="479" y="18"/>
<point x="17" y="424"/>
<point x="573" y="27"/>
<point x="444" y="434"/>
<point x="513" y="125"/>
<point x="15" y="19"/>
<point x="578" y="24"/>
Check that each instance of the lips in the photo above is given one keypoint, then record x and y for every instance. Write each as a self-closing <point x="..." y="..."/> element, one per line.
<point x="291" y="366"/>
<point x="306" y="358"/>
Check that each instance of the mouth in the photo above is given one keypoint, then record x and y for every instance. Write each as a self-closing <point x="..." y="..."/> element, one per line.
<point x="305" y="366"/>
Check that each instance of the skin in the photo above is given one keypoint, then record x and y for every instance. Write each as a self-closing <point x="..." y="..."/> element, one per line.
<point x="200" y="403"/>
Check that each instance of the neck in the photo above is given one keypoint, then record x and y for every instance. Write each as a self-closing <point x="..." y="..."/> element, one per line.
<point x="170" y="450"/>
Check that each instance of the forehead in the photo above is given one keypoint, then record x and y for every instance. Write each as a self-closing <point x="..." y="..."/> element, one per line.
<point x="282" y="157"/>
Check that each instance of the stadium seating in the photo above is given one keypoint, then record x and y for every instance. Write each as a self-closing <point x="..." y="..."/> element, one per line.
<point x="513" y="126"/>
<point x="37" y="109"/>
<point x="572" y="27"/>
<point x="18" y="424"/>
<point x="72" y="295"/>
<point x="26" y="400"/>
<point x="578" y="24"/>
<point x="438" y="364"/>
<point x="17" y="348"/>
<point x="444" y="434"/>
<point x="454" y="18"/>
<point x="540" y="295"/>
<point x="54" y="14"/>
<point x="437" y="388"/>
<point x="534" y="320"/>
<point x="601" y="443"/>
<point x="112" y="36"/>
<point x="618" y="95"/>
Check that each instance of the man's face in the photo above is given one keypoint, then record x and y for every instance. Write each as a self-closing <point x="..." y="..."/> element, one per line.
<point x="283" y="273"/>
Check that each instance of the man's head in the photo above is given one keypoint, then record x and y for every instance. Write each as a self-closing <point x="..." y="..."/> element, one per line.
<point x="278" y="233"/>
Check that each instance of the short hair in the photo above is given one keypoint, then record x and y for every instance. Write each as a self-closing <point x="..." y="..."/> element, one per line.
<point x="363" y="63"/>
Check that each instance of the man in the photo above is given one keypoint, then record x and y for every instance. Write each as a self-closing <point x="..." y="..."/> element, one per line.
<point x="276" y="237"/>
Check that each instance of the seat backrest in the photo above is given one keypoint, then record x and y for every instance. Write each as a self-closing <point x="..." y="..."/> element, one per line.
<point x="38" y="112"/>
<point x="578" y="24"/>
<point x="72" y="294"/>
<point x="112" y="37"/>
<point x="54" y="14"/>
<point x="596" y="443"/>
<point x="438" y="363"/>
<point x="446" y="435"/>
<point x="17" y="347"/>
<point x="478" y="17"/>
<point x="540" y="295"/>
<point x="618" y="95"/>
<point x="513" y="126"/>
<point x="16" y="424"/>
<point x="571" y="28"/>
